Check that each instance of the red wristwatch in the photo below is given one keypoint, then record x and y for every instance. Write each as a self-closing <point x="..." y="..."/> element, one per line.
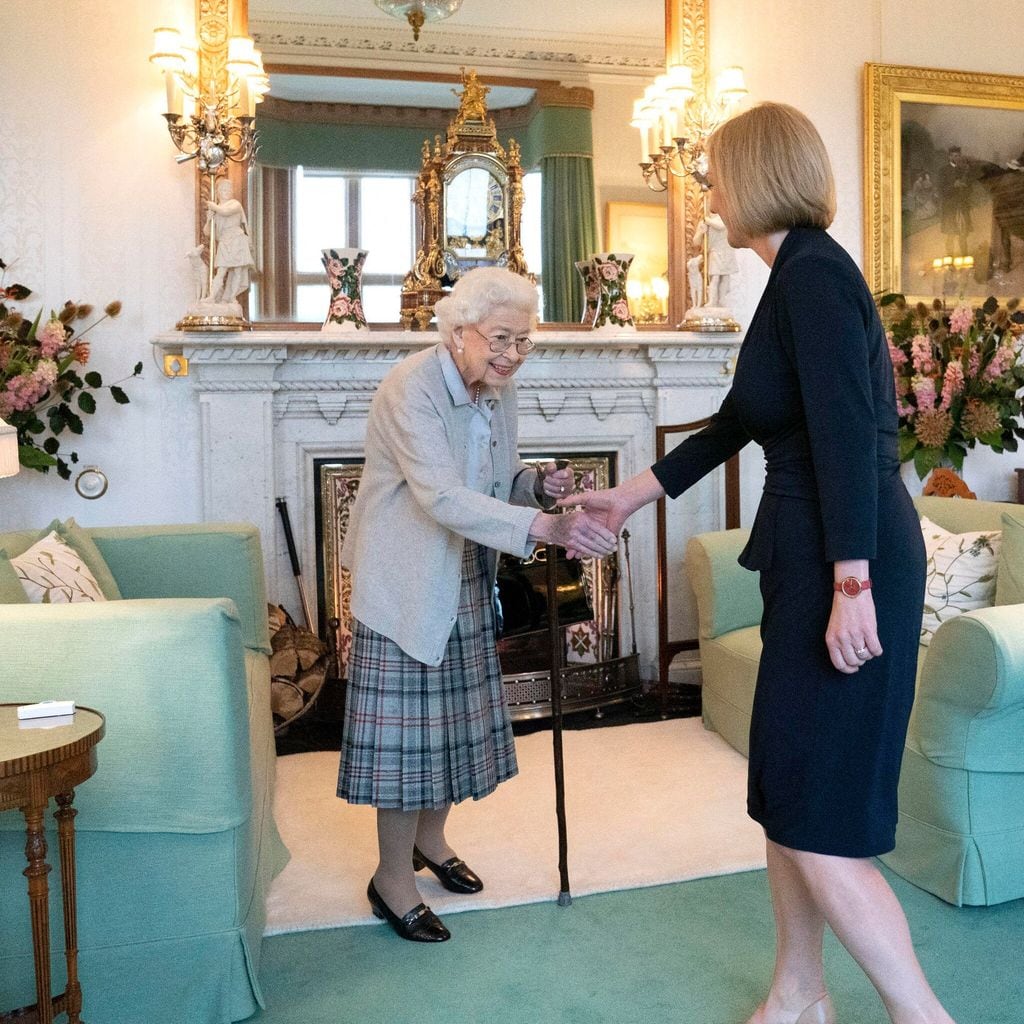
<point x="851" y="586"/>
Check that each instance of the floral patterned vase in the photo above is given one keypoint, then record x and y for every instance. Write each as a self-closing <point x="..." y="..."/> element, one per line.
<point x="591" y="290"/>
<point x="344" y="273"/>
<point x="611" y="269"/>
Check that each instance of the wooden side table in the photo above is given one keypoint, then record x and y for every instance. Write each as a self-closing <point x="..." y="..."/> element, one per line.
<point x="38" y="762"/>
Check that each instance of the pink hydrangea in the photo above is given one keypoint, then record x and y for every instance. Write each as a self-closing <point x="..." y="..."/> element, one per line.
<point x="1002" y="360"/>
<point x="973" y="363"/>
<point x="924" y="392"/>
<point x="45" y="373"/>
<point x="903" y="409"/>
<point x="921" y="353"/>
<point x="51" y="338"/>
<point x="896" y="354"/>
<point x="23" y="391"/>
<point x="961" y="319"/>
<point x="952" y="383"/>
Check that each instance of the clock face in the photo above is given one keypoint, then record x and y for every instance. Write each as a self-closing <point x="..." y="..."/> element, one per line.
<point x="850" y="586"/>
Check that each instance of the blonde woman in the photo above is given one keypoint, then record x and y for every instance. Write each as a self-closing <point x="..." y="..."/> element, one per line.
<point x="838" y="546"/>
<point x="442" y="491"/>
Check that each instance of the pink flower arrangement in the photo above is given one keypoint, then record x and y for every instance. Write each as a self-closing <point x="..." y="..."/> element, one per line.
<point x="41" y="391"/>
<point x="957" y="375"/>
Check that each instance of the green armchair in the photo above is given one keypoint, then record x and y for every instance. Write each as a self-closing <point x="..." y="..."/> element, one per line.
<point x="961" y="825"/>
<point x="176" y="841"/>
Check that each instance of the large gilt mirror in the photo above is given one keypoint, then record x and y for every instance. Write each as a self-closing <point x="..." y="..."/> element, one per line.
<point x="353" y="99"/>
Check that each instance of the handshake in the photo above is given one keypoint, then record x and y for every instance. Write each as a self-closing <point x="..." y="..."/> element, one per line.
<point x="590" y="526"/>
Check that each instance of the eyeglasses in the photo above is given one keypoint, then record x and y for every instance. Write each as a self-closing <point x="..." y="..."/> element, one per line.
<point x="502" y="343"/>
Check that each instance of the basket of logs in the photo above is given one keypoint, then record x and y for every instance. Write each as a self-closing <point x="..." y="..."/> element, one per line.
<point x="298" y="668"/>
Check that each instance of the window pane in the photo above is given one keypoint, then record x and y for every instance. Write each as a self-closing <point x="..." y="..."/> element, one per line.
<point x="320" y="221"/>
<point x="385" y="225"/>
<point x="381" y="302"/>
<point x="530" y="224"/>
<point x="311" y="302"/>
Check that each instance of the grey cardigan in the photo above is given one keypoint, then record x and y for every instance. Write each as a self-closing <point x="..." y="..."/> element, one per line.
<point x="404" y="541"/>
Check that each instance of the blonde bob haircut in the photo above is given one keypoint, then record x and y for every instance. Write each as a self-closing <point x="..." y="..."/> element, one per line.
<point x="478" y="293"/>
<point x="773" y="170"/>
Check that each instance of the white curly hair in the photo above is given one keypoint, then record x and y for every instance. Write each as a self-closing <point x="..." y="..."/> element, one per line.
<point x="478" y="293"/>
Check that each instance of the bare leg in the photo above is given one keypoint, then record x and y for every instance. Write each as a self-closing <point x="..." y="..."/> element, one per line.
<point x="799" y="977"/>
<point x="394" y="878"/>
<point x="430" y="835"/>
<point x="865" y="915"/>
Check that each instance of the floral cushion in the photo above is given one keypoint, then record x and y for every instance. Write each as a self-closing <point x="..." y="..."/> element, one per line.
<point x="52" y="572"/>
<point x="961" y="574"/>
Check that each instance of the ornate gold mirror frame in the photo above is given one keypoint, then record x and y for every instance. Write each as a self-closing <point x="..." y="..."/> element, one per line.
<point x="686" y="39"/>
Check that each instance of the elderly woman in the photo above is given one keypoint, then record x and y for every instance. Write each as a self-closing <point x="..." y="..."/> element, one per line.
<point x="838" y="547"/>
<point x="442" y="491"/>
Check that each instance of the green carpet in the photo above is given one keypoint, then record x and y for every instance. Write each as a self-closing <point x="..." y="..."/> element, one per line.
<point x="692" y="953"/>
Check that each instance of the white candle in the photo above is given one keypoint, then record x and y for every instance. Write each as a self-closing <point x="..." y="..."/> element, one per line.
<point x="645" y="153"/>
<point x="173" y="93"/>
<point x="246" y="99"/>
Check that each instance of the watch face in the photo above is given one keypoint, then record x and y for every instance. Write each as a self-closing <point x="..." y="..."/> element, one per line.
<point x="850" y="586"/>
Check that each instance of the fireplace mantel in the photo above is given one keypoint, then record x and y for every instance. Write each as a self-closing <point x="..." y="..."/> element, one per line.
<point x="269" y="403"/>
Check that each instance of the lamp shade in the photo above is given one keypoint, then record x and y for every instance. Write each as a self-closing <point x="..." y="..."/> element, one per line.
<point x="167" y="49"/>
<point x="241" y="60"/>
<point x="8" y="450"/>
<point x="730" y="85"/>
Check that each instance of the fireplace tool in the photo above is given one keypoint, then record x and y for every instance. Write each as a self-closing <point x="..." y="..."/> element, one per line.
<point x="282" y="508"/>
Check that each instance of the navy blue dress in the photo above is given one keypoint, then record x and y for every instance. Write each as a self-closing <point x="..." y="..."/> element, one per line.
<point x="814" y="387"/>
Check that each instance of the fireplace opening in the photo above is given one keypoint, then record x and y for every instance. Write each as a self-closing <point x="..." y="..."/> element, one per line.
<point x="595" y="673"/>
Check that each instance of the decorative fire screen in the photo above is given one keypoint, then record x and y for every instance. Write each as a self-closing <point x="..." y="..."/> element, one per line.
<point x="336" y="486"/>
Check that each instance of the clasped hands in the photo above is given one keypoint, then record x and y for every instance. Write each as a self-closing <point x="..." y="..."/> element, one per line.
<point x="589" y="528"/>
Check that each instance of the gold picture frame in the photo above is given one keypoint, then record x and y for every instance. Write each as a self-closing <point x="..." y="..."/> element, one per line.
<point x="943" y="183"/>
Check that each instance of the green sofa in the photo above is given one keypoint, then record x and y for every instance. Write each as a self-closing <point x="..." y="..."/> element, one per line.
<point x="176" y="841"/>
<point x="961" y="825"/>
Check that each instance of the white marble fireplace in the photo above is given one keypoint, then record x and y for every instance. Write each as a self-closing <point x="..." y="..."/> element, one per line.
<point x="270" y="403"/>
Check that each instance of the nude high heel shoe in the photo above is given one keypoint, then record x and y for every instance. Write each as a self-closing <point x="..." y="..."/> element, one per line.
<point x="819" y="1012"/>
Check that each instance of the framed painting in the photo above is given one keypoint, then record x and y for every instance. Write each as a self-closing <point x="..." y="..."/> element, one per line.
<point x="943" y="183"/>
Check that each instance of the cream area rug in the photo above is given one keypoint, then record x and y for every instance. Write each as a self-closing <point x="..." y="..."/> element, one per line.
<point x="646" y="804"/>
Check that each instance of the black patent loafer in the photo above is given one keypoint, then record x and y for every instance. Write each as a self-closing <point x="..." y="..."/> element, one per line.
<point x="453" y="874"/>
<point x="421" y="924"/>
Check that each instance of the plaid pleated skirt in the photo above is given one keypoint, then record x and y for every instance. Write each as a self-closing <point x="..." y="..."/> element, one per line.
<point x="419" y="737"/>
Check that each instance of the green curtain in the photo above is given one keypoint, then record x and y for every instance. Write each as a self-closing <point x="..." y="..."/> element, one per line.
<point x="569" y="233"/>
<point x="560" y="141"/>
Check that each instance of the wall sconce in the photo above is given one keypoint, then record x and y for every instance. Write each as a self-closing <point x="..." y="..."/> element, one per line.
<point x="213" y="124"/>
<point x="9" y="464"/>
<point x="674" y="125"/>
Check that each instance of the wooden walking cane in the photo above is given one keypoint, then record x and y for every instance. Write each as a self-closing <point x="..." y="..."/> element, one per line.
<point x="555" y="640"/>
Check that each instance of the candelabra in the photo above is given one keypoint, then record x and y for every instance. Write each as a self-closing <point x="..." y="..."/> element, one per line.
<point x="674" y="125"/>
<point x="211" y="119"/>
